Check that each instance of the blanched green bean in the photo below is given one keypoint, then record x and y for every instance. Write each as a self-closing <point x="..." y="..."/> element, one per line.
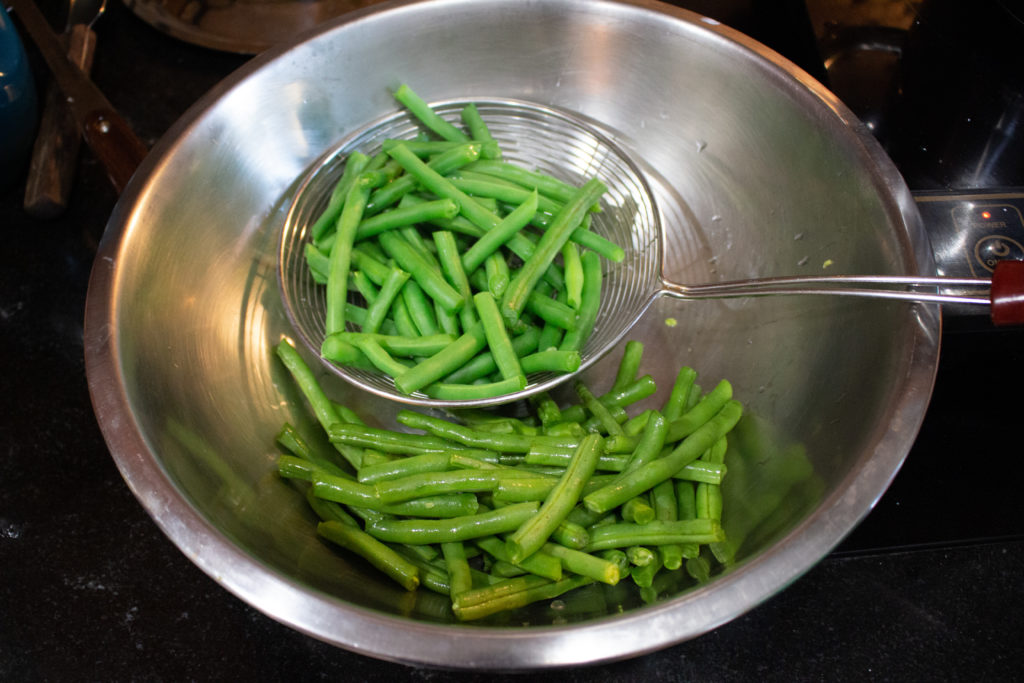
<point x="548" y="247"/>
<point x="658" y="470"/>
<point x="444" y="362"/>
<point x="462" y="528"/>
<point x="535" y="531"/>
<point x="590" y="302"/>
<point x="373" y="551"/>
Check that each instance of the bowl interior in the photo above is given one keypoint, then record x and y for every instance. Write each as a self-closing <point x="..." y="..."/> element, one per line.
<point x="756" y="171"/>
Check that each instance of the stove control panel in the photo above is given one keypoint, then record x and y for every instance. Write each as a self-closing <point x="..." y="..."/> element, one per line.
<point x="970" y="232"/>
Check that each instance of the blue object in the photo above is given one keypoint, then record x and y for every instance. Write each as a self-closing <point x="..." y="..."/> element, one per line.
<point x="18" y="104"/>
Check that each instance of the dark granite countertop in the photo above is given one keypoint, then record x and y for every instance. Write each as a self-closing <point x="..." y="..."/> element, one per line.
<point x="929" y="587"/>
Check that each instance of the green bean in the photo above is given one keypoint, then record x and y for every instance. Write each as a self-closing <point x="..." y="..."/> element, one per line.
<point x="545" y="184"/>
<point x="432" y="576"/>
<point x="422" y="111"/>
<point x="462" y="528"/>
<point x="570" y="535"/>
<point x="551" y="360"/>
<point x="318" y="262"/>
<point x="699" y="414"/>
<point x="441" y="186"/>
<point x="497" y="337"/>
<point x="552" y="311"/>
<point x="386" y="440"/>
<point x="479" y="132"/>
<point x="627" y="534"/>
<point x="675" y="406"/>
<point x="293" y="467"/>
<point x="644" y="576"/>
<point x="447" y="322"/>
<point x="650" y="445"/>
<point x="354" y="165"/>
<point x="372" y="550"/>
<point x="639" y="556"/>
<point x="573" y="274"/>
<point x="431" y="280"/>
<point x="403" y="467"/>
<point x="380" y="358"/>
<point x="666" y="509"/>
<point x="402" y="216"/>
<point x="423" y="484"/>
<point x="597" y="409"/>
<point x="658" y="470"/>
<point x="584" y="564"/>
<point x="548" y="247"/>
<point x="498" y="590"/>
<point x="547" y="591"/>
<point x="472" y="392"/>
<point x="590" y="302"/>
<point x="329" y="511"/>
<point x="509" y="194"/>
<point x="601" y="246"/>
<point x="699" y="568"/>
<point x="443" y="163"/>
<point x="451" y="265"/>
<point x="629" y="365"/>
<point x="421" y="310"/>
<point x="635" y="392"/>
<point x="337" y="276"/>
<point x="534" y="532"/>
<point x="378" y="310"/>
<point x="501" y="233"/>
<point x="349" y="492"/>
<point x="289" y="439"/>
<point x="401" y="345"/>
<point x="498" y="274"/>
<point x="424" y="149"/>
<point x="545" y="408"/>
<point x="505" y="443"/>
<point x="550" y="337"/>
<point x="709" y="494"/>
<point x="540" y="563"/>
<point x="638" y="509"/>
<point x="443" y="362"/>
<point x="310" y="388"/>
<point x="459" y="575"/>
<point x="483" y="364"/>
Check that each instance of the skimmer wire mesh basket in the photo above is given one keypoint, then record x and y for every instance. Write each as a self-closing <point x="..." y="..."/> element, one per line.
<point x="536" y="137"/>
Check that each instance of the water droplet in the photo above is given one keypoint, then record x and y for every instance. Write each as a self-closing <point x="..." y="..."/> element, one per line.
<point x="558" y="604"/>
<point x="798" y="236"/>
<point x="701" y="145"/>
<point x="803" y="261"/>
<point x="716" y="218"/>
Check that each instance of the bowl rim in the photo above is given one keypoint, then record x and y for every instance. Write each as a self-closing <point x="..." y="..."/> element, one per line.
<point x="617" y="637"/>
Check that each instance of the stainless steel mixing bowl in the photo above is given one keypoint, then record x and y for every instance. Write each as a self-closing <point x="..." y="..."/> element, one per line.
<point x="757" y="171"/>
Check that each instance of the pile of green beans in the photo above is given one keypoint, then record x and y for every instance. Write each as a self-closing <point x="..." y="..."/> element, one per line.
<point x="496" y="512"/>
<point x="439" y="239"/>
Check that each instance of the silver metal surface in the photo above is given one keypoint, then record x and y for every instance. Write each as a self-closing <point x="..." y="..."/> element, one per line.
<point x="756" y="168"/>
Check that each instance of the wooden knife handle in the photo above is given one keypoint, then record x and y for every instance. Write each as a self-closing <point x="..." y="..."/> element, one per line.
<point x="115" y="144"/>
<point x="1007" y="297"/>
<point x="55" y="154"/>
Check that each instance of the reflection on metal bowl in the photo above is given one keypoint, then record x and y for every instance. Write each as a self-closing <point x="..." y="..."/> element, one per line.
<point x="244" y="26"/>
<point x="759" y="171"/>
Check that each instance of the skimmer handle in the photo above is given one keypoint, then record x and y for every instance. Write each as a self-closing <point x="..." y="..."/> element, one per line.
<point x="1007" y="293"/>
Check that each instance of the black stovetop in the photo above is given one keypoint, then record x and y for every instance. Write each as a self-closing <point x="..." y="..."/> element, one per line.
<point x="928" y="587"/>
